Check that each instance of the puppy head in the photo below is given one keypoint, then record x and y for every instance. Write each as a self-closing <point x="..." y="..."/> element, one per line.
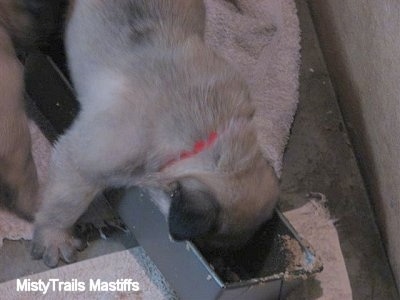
<point x="223" y="204"/>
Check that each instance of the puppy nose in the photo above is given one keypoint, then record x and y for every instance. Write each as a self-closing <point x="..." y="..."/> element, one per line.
<point x="192" y="214"/>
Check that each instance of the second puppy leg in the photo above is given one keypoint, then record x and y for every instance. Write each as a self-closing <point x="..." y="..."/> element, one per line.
<point x="17" y="169"/>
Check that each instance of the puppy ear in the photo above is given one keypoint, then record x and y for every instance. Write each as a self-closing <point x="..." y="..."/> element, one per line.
<point x="194" y="211"/>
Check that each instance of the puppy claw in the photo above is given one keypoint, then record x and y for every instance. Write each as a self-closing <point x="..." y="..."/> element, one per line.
<point x="51" y="256"/>
<point x="54" y="244"/>
<point x="68" y="254"/>
<point x="79" y="244"/>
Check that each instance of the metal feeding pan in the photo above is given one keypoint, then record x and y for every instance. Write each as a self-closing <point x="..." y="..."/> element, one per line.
<point x="274" y="261"/>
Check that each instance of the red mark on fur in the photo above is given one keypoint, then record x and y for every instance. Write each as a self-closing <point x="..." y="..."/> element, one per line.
<point x="198" y="147"/>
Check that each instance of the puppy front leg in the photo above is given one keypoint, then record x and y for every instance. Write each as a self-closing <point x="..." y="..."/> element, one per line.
<point x="66" y="197"/>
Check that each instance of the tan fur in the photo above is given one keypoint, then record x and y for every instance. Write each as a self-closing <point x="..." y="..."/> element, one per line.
<point x="18" y="179"/>
<point x="149" y="88"/>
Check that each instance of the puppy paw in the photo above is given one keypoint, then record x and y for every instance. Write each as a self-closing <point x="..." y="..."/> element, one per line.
<point x="52" y="244"/>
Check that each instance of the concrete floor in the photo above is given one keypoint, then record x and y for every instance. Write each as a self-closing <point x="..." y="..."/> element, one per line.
<point x="319" y="158"/>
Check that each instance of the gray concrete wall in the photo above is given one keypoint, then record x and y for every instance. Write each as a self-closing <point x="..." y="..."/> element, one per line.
<point x="361" y="44"/>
